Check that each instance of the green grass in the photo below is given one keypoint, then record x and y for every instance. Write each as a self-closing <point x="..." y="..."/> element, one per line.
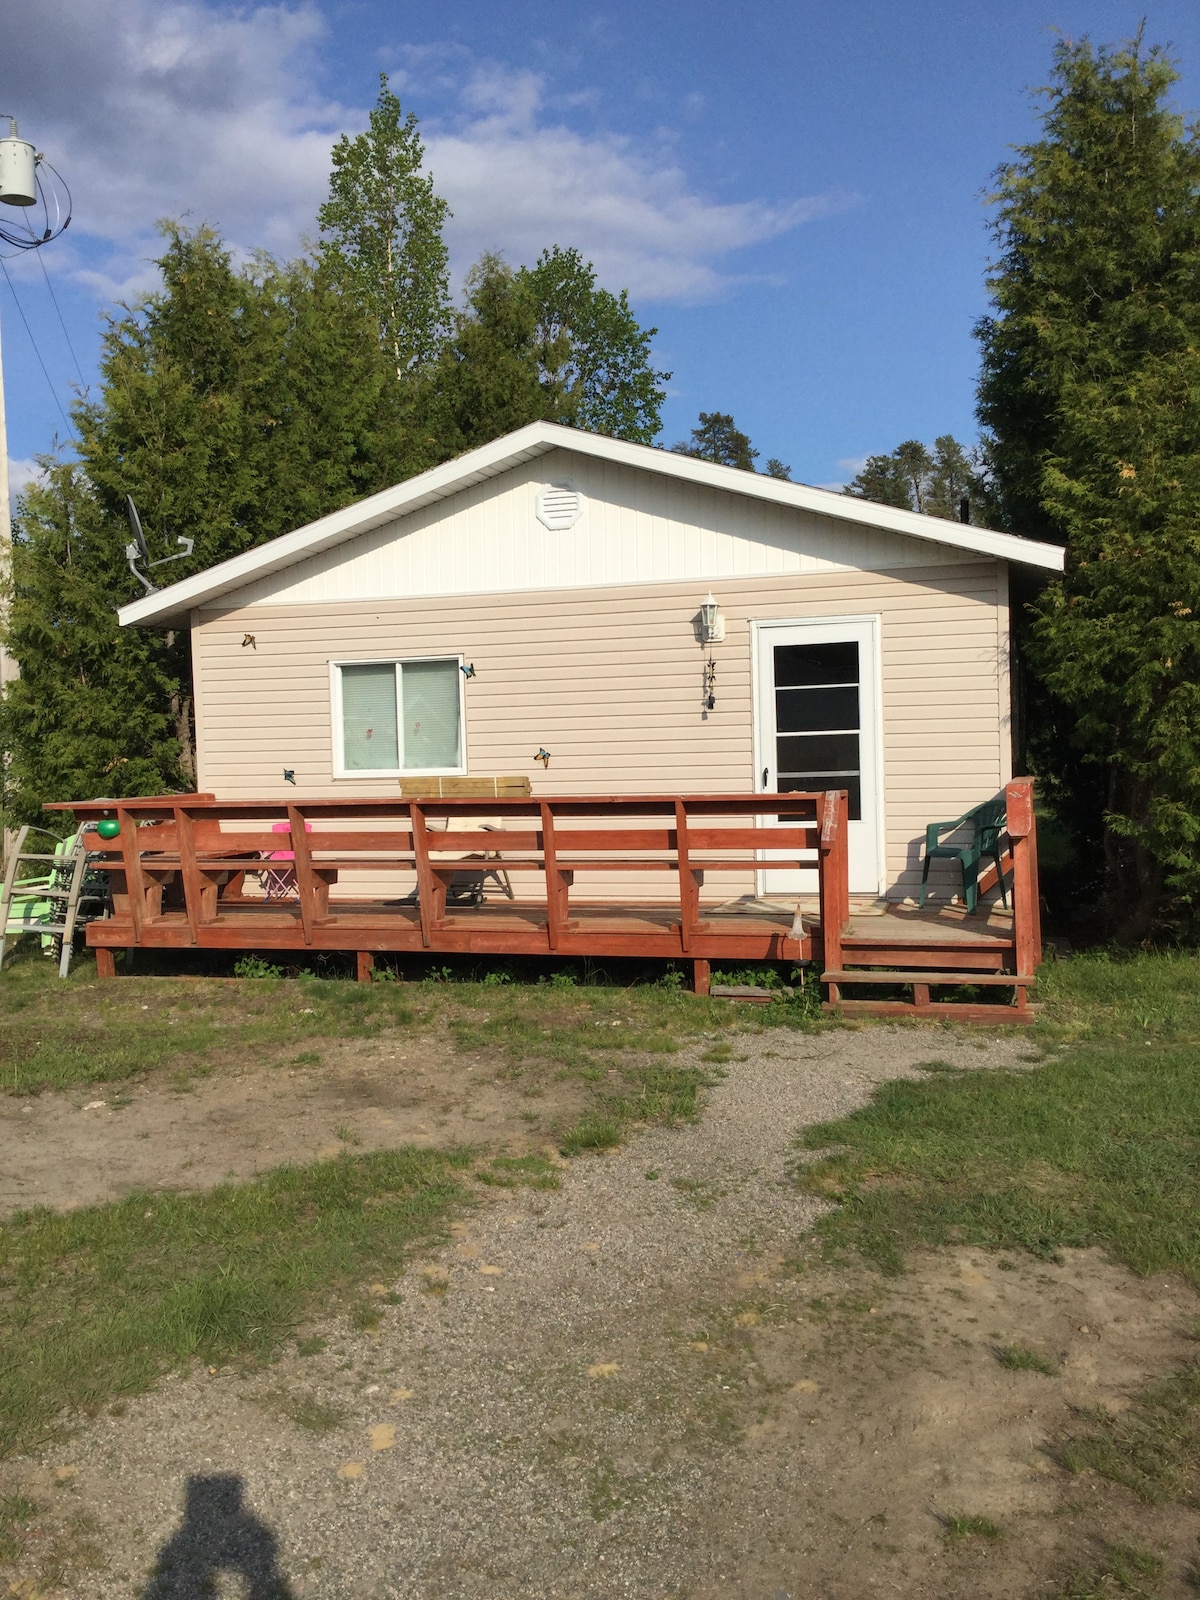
<point x="1020" y="1358"/>
<point x="964" y="1525"/>
<point x="1099" y="1145"/>
<point x="56" y="1035"/>
<point x="1153" y="1448"/>
<point x="1125" y="1570"/>
<point x="100" y="1302"/>
<point x="59" y="1035"/>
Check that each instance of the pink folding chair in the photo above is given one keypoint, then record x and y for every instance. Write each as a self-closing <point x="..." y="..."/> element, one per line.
<point x="279" y="882"/>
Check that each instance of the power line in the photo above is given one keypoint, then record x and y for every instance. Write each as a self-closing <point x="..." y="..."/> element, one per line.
<point x="38" y="353"/>
<point x="62" y="324"/>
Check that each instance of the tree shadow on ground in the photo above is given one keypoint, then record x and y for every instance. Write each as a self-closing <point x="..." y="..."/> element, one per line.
<point x="219" y="1533"/>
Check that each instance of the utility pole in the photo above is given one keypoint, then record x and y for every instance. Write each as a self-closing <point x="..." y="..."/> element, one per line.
<point x="42" y="212"/>
<point x="8" y="667"/>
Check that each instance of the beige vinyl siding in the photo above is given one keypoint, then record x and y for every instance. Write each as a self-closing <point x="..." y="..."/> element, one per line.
<point x="610" y="681"/>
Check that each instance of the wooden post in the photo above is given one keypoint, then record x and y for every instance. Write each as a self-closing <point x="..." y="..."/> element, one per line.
<point x="833" y="878"/>
<point x="1022" y="830"/>
<point x="106" y="962"/>
<point x="556" y="885"/>
<point x="302" y="860"/>
<point x="364" y="965"/>
<point x="427" y="884"/>
<point x="193" y="888"/>
<point x="689" y="888"/>
<point x="700" y="977"/>
<point x="135" y="881"/>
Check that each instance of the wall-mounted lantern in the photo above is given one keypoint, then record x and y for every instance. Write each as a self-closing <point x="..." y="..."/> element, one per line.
<point x="712" y="623"/>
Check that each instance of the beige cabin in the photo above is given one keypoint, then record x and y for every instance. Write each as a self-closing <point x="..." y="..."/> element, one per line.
<point x="545" y="594"/>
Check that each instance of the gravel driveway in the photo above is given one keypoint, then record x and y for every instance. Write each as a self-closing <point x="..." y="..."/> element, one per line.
<point x="556" y="1407"/>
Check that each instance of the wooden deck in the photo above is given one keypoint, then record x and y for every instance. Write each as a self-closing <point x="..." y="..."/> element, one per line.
<point x="184" y="870"/>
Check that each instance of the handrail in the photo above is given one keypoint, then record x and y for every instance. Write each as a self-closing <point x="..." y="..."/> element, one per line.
<point x="201" y="842"/>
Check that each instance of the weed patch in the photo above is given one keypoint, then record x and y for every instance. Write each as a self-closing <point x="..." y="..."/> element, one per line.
<point x="964" y="1525"/>
<point x="1125" y="1570"/>
<point x="1153" y="1448"/>
<point x="1020" y="1358"/>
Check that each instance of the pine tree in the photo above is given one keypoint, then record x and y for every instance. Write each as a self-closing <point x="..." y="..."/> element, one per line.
<point x="382" y="234"/>
<point x="935" y="482"/>
<point x="717" y="438"/>
<point x="1091" y="372"/>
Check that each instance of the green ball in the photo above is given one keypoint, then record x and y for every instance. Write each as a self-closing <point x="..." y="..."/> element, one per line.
<point x="109" y="828"/>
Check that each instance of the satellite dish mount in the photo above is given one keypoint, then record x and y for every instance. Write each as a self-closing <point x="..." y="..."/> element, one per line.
<point x="136" y="551"/>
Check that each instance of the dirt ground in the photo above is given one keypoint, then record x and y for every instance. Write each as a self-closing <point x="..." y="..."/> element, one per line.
<point x="97" y="1144"/>
<point x="641" y="1384"/>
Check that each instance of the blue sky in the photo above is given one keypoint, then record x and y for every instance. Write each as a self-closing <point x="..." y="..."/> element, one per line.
<point x="792" y="193"/>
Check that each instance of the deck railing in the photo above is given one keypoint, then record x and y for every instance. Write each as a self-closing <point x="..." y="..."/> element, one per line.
<point x="180" y="864"/>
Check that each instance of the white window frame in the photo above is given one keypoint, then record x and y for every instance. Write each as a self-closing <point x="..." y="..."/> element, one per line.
<point x="399" y="662"/>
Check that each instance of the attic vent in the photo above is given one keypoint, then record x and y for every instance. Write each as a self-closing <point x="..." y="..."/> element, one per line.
<point x="558" y="506"/>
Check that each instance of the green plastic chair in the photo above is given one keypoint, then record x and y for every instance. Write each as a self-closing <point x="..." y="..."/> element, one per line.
<point x="44" y="893"/>
<point x="986" y="823"/>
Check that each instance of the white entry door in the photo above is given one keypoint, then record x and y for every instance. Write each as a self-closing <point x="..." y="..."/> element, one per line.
<point x="817" y="728"/>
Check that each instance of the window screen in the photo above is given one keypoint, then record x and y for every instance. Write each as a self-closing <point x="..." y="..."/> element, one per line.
<point x="431" y="732"/>
<point x="370" y="739"/>
<point x="817" y="719"/>
<point x="400" y="716"/>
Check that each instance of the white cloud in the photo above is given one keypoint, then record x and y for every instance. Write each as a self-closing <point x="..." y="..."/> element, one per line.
<point x="21" y="471"/>
<point x="168" y="107"/>
<point x="517" y="177"/>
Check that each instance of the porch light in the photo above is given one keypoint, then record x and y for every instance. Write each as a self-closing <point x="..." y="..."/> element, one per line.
<point x="712" y="623"/>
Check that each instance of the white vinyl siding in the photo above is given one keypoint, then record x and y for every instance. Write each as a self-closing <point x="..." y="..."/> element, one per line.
<point x="396" y="716"/>
<point x="636" y="528"/>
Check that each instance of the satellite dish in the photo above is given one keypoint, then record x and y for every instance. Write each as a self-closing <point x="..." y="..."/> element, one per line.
<point x="138" y="551"/>
<point x="135" y="527"/>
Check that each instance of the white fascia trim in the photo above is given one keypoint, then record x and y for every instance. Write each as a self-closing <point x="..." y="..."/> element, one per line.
<point x="172" y="604"/>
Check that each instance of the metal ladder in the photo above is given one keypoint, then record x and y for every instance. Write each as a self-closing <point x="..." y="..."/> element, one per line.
<point x="60" y="882"/>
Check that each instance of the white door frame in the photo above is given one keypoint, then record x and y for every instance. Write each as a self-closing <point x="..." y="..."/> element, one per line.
<point x="872" y="622"/>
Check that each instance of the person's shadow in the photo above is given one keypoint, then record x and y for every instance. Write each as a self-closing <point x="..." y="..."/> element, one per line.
<point x="218" y="1534"/>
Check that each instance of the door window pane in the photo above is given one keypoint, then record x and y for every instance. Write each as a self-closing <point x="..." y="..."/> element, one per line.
<point x="431" y="731"/>
<point x="807" y="710"/>
<point x="817" y="719"/>
<point x="819" y="752"/>
<point x="790" y="782"/>
<point x="809" y="664"/>
<point x="369" y="734"/>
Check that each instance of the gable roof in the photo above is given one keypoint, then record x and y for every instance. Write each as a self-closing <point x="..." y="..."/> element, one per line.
<point x="174" y="603"/>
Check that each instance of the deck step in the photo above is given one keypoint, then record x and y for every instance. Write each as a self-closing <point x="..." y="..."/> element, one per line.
<point x="942" y="979"/>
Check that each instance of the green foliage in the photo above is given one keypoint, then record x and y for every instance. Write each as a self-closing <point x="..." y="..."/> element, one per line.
<point x="1091" y="369"/>
<point x="913" y="478"/>
<point x="1020" y="1358"/>
<point x="234" y="406"/>
<point x="543" y="343"/>
<point x="717" y="438"/>
<point x="1153" y="1448"/>
<point x="382" y="234"/>
<point x="967" y="1525"/>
